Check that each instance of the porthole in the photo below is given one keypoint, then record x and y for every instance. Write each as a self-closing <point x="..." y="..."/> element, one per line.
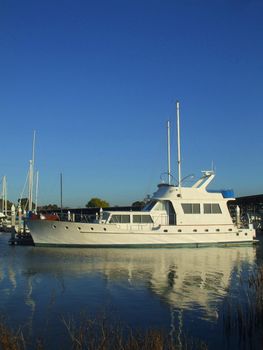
<point x="79" y="228"/>
<point x="179" y="230"/>
<point x="105" y="229"/>
<point x="54" y="226"/>
<point x="194" y="230"/>
<point x="246" y="234"/>
<point x="237" y="234"/>
<point x="206" y="230"/>
<point x="66" y="227"/>
<point x="91" y="228"/>
<point x="230" y="229"/>
<point x="217" y="230"/>
<point x="165" y="230"/>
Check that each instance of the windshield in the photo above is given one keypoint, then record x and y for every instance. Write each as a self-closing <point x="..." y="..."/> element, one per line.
<point x="149" y="206"/>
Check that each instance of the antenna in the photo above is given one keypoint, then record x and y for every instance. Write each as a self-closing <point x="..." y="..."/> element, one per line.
<point x="169" y="152"/>
<point x="213" y="167"/>
<point x="178" y="144"/>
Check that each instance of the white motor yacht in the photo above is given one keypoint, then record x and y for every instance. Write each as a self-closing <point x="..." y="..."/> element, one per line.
<point x="175" y="216"/>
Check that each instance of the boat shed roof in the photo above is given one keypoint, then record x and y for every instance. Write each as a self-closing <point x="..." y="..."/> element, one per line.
<point x="254" y="199"/>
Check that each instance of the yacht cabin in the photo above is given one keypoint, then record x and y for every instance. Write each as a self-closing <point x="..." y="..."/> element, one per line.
<point x="180" y="206"/>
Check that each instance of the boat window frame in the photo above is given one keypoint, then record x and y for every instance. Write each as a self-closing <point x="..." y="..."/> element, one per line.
<point x="212" y="208"/>
<point x="121" y="221"/>
<point x="191" y="208"/>
<point x="141" y="216"/>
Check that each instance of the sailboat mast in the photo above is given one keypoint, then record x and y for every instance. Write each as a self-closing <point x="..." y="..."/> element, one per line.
<point x="2" y="203"/>
<point x="31" y="175"/>
<point x="33" y="148"/>
<point x="169" y="152"/>
<point x="32" y="170"/>
<point x="37" y="177"/>
<point x="30" y="182"/>
<point x="4" y="196"/>
<point x="61" y="194"/>
<point x="178" y="144"/>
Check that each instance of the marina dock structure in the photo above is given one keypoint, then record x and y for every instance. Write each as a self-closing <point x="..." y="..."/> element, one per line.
<point x="252" y="206"/>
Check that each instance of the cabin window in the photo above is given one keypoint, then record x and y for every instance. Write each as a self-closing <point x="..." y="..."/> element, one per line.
<point x="142" y="219"/>
<point x="212" y="208"/>
<point x="120" y="219"/>
<point x="191" y="208"/>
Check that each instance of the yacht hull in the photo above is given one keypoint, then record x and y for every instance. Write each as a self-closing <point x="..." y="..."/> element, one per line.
<point x="48" y="233"/>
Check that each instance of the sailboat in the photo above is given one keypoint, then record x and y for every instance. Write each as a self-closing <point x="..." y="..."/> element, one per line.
<point x="176" y="216"/>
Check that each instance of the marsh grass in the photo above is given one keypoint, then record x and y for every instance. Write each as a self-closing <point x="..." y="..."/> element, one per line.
<point x="100" y="334"/>
<point x="9" y="339"/>
<point x="14" y="339"/>
<point x="244" y="320"/>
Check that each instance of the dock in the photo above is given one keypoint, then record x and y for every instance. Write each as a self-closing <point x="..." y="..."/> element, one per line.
<point x="21" y="239"/>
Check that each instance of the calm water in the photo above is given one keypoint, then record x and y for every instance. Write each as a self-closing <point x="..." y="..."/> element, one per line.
<point x="176" y="289"/>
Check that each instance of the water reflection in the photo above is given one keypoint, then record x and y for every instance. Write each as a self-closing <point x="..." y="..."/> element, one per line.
<point x="30" y="302"/>
<point x="12" y="277"/>
<point x="1" y="273"/>
<point x="146" y="287"/>
<point x="182" y="278"/>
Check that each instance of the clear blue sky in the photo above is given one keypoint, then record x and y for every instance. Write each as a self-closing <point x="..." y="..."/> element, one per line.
<point x="98" y="80"/>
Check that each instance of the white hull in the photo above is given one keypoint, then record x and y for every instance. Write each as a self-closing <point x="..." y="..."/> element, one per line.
<point x="61" y="233"/>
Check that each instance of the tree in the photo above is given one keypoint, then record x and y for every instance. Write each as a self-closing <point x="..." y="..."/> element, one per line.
<point x="140" y="204"/>
<point x="9" y="204"/>
<point x="24" y="203"/>
<point x="97" y="203"/>
<point x="50" y="207"/>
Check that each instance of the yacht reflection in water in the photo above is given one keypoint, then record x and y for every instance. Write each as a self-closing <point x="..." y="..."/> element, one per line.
<point x="185" y="279"/>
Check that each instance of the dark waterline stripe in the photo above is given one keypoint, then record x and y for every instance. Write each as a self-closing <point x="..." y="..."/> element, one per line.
<point x="135" y="246"/>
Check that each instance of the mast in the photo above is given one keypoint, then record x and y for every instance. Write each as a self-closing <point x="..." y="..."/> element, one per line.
<point x="31" y="175"/>
<point x="61" y="194"/>
<point x="169" y="152"/>
<point x="33" y="149"/>
<point x="4" y="196"/>
<point x="30" y="183"/>
<point x="178" y="144"/>
<point x="2" y="202"/>
<point x="37" y="177"/>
